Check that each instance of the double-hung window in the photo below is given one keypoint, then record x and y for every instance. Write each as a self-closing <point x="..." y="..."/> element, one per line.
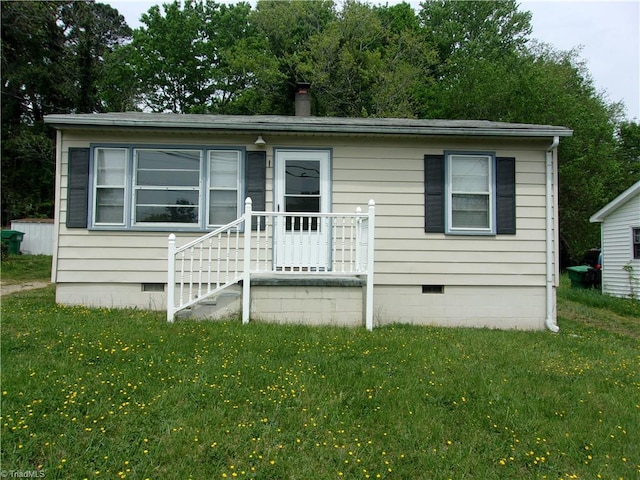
<point x="636" y="243"/>
<point x="470" y="193"/>
<point x="166" y="188"/>
<point x="110" y="175"/>
<point x="225" y="196"/>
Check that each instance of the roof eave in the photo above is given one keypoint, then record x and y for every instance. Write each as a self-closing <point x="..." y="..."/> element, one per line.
<point x="613" y="205"/>
<point x="69" y="121"/>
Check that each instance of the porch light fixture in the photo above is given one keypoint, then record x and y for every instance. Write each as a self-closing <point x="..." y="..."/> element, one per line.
<point x="260" y="141"/>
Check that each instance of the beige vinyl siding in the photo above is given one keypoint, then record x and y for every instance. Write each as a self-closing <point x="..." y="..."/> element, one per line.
<point x="390" y="171"/>
<point x="86" y="256"/>
<point x="617" y="248"/>
<point x="394" y="177"/>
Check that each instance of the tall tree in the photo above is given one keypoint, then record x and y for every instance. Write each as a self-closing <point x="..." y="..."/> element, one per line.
<point x="408" y="63"/>
<point x="488" y="68"/>
<point x="199" y="56"/>
<point x="247" y="69"/>
<point x="34" y="62"/>
<point x="289" y="26"/>
<point x="33" y="84"/>
<point x="91" y="30"/>
<point x="344" y="61"/>
<point x="628" y="149"/>
<point x="369" y="61"/>
<point x="488" y="29"/>
<point x="51" y="56"/>
<point x="471" y="38"/>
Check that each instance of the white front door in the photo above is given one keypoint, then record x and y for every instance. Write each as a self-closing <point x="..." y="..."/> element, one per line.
<point x="302" y="185"/>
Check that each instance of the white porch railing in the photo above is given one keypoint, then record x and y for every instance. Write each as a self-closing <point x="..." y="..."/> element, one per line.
<point x="272" y="243"/>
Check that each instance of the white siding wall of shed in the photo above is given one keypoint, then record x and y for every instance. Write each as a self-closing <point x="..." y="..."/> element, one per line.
<point x="38" y="236"/>
<point x="617" y="251"/>
<point x="390" y="171"/>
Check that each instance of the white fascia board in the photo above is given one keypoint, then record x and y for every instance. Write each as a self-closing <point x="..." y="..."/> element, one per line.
<point x="621" y="199"/>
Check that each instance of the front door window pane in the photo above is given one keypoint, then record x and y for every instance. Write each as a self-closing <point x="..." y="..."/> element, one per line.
<point x="302" y="193"/>
<point x="302" y="177"/>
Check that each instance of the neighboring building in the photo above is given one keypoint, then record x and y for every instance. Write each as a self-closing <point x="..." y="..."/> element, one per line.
<point x="620" y="221"/>
<point x="466" y="220"/>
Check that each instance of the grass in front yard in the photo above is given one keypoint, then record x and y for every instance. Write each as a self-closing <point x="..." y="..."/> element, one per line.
<point x="25" y="268"/>
<point x="98" y="393"/>
<point x="591" y="307"/>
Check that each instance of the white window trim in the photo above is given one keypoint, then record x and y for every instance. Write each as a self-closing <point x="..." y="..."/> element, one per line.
<point x="449" y="228"/>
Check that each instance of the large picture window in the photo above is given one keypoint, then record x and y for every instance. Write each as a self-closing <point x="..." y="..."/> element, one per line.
<point x="160" y="188"/>
<point x="167" y="186"/>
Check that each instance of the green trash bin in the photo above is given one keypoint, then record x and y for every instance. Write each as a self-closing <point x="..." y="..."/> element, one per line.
<point x="578" y="275"/>
<point x="12" y="239"/>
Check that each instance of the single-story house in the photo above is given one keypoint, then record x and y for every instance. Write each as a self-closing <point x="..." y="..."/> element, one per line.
<point x="352" y="220"/>
<point x="620" y="232"/>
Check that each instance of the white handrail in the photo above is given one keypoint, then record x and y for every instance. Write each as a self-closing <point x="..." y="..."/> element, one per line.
<point x="280" y="243"/>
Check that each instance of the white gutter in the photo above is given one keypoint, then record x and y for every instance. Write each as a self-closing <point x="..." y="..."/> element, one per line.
<point x="550" y="321"/>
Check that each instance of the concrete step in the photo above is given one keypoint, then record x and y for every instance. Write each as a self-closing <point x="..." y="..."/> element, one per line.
<point x="226" y="304"/>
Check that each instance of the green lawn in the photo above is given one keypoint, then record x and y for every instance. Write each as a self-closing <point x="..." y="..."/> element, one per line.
<point x="102" y="393"/>
<point x="25" y="268"/>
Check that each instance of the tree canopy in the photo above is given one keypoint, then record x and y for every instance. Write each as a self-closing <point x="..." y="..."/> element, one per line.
<point x="52" y="59"/>
<point x="446" y="59"/>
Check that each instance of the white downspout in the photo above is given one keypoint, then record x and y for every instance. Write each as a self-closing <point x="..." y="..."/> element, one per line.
<point x="56" y="211"/>
<point x="550" y="322"/>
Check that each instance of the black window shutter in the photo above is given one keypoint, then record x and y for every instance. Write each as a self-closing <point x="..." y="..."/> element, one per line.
<point x="434" y="193"/>
<point x="255" y="181"/>
<point x="78" y="188"/>
<point x="506" y="195"/>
